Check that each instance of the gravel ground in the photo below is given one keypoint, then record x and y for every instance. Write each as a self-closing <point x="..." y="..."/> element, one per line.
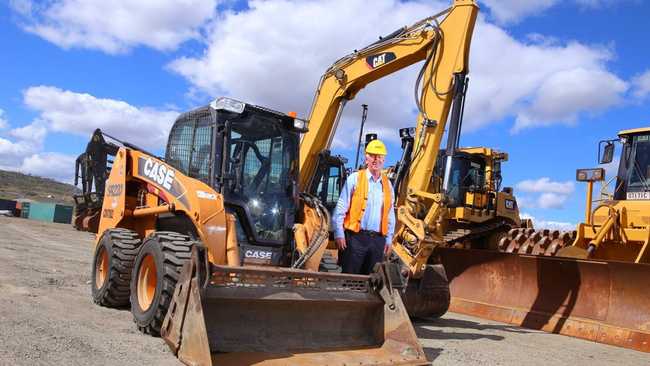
<point x="47" y="317"/>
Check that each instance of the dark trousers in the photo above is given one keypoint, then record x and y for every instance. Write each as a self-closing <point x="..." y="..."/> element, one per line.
<point x="363" y="251"/>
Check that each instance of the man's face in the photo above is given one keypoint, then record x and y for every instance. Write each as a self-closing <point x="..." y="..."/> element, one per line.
<point x="375" y="162"/>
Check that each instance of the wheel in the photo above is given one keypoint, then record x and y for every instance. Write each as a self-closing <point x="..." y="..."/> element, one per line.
<point x="329" y="264"/>
<point x="155" y="273"/>
<point x="112" y="265"/>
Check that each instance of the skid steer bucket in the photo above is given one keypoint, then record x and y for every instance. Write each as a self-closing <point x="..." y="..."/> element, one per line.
<point x="224" y="315"/>
<point x="602" y="301"/>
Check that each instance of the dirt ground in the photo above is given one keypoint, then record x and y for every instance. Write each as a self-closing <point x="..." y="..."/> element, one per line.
<point x="47" y="317"/>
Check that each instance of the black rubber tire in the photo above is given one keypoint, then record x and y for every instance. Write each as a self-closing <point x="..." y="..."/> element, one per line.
<point x="170" y="250"/>
<point x="122" y="247"/>
<point x="329" y="264"/>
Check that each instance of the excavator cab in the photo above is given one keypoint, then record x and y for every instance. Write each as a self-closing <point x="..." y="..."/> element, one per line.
<point x="330" y="177"/>
<point x="248" y="154"/>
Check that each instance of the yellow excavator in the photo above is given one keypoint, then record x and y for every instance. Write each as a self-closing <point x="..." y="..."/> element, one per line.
<point x="216" y="249"/>
<point x="443" y="45"/>
<point x="589" y="283"/>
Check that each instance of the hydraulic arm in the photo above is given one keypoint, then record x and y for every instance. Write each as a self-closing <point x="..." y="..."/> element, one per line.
<point x="442" y="41"/>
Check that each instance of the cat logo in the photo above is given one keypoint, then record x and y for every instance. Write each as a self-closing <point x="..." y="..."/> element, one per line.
<point x="159" y="173"/>
<point x="381" y="59"/>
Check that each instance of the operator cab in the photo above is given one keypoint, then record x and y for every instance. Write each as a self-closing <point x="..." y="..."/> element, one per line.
<point x="468" y="185"/>
<point x="330" y="177"/>
<point x="249" y="154"/>
<point x="633" y="178"/>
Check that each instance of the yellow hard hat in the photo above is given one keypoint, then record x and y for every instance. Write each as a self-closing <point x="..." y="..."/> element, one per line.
<point x="376" y="147"/>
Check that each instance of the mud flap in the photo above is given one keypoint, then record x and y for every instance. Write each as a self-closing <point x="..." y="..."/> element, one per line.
<point x="602" y="301"/>
<point x="273" y="316"/>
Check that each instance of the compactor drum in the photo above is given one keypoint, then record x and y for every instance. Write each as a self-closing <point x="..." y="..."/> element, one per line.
<point x="589" y="283"/>
<point x="216" y="251"/>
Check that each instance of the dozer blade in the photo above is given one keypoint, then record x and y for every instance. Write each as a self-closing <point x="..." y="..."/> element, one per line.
<point x="573" y="251"/>
<point x="223" y="315"/>
<point x="602" y="301"/>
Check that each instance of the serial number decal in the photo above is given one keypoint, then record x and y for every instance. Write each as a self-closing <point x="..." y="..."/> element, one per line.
<point x="638" y="195"/>
<point x="206" y="195"/>
<point x="114" y="190"/>
<point x="381" y="59"/>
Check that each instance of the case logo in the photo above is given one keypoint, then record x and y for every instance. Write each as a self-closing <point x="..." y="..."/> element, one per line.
<point x="159" y="173"/>
<point x="258" y="254"/>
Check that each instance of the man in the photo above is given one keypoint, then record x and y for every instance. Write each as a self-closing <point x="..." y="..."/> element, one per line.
<point x="364" y="218"/>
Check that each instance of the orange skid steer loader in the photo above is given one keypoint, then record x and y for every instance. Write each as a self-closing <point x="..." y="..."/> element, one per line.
<point x="215" y="249"/>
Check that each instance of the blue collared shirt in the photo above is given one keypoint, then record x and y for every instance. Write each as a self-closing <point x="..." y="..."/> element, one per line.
<point x="371" y="219"/>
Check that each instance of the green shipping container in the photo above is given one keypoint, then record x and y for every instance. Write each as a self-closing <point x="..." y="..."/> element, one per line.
<point x="50" y="212"/>
<point x="24" y="210"/>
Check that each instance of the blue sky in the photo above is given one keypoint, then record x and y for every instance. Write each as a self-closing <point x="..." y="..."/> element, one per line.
<point x="549" y="78"/>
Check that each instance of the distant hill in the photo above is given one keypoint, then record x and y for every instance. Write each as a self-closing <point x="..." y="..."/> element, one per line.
<point x="15" y="185"/>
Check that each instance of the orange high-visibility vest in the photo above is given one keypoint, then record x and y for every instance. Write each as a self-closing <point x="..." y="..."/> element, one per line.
<point x="354" y="215"/>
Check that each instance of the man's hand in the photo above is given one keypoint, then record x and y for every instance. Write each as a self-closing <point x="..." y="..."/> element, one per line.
<point x="340" y="242"/>
<point x="387" y="248"/>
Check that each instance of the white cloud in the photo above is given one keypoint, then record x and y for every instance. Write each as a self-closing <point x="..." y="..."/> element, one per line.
<point x="115" y="26"/>
<point x="34" y="132"/>
<point x="77" y="113"/>
<point x="540" y="83"/>
<point x="551" y="200"/>
<point x="553" y="225"/>
<point x="51" y="165"/>
<point x="513" y="11"/>
<point x="544" y="184"/>
<point x="81" y="113"/>
<point x="506" y="11"/>
<point x="545" y="193"/>
<point x="27" y="140"/>
<point x="11" y="152"/>
<point x="280" y="66"/>
<point x="565" y="94"/>
<point x="641" y="85"/>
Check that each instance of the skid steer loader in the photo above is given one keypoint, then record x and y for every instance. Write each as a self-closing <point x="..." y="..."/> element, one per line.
<point x="216" y="250"/>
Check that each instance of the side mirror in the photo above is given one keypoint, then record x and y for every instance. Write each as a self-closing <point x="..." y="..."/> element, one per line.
<point x="608" y="153"/>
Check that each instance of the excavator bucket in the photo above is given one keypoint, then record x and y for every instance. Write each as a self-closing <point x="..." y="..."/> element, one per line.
<point x="602" y="301"/>
<point x="223" y="315"/>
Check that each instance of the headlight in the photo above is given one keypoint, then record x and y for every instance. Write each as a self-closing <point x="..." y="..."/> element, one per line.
<point x="228" y="104"/>
<point x="590" y="175"/>
<point x="299" y="124"/>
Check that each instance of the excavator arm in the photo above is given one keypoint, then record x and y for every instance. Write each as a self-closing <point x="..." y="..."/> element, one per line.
<point x="443" y="42"/>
